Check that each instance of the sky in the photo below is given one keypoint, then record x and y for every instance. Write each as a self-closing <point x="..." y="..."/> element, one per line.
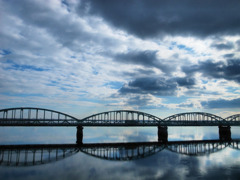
<point x="88" y="56"/>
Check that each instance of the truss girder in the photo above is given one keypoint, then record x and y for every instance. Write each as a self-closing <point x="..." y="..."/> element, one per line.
<point x="29" y="116"/>
<point x="235" y="117"/>
<point x="122" y="117"/>
<point x="194" y="116"/>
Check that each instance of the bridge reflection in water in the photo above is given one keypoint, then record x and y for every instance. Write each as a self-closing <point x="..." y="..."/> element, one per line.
<point x="31" y="155"/>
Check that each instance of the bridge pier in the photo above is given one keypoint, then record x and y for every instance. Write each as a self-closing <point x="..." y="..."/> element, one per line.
<point x="162" y="134"/>
<point x="224" y="132"/>
<point x="79" y="135"/>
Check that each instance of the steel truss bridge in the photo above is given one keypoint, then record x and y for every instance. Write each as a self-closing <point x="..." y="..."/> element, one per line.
<point x="29" y="116"/>
<point x="31" y="155"/>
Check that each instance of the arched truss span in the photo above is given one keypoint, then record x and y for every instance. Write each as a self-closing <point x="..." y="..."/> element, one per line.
<point x="122" y="117"/>
<point x="35" y="116"/>
<point x="194" y="116"/>
<point x="32" y="155"/>
<point x="235" y="117"/>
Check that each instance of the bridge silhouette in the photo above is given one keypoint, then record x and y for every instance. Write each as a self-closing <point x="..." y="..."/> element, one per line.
<point x="32" y="155"/>
<point x="29" y="116"/>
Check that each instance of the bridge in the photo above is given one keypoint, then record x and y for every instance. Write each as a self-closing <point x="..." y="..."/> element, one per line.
<point x="32" y="155"/>
<point x="30" y="116"/>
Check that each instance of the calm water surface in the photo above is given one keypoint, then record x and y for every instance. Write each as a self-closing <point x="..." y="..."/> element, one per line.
<point x="221" y="161"/>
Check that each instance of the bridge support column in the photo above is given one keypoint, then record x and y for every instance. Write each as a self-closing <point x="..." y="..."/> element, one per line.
<point x="79" y="135"/>
<point x="224" y="133"/>
<point x="162" y="134"/>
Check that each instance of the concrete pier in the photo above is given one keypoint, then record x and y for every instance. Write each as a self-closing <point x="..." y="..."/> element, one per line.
<point x="162" y="134"/>
<point x="224" y="133"/>
<point x="79" y="135"/>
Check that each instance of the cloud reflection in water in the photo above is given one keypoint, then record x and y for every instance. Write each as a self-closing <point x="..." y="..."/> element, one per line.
<point x="223" y="164"/>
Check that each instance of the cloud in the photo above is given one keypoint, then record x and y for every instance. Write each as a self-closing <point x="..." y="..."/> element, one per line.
<point x="50" y="17"/>
<point x="12" y="65"/>
<point x="218" y="70"/>
<point x="139" y="100"/>
<point x="223" y="46"/>
<point x="149" y="18"/>
<point x="185" y="81"/>
<point x="156" y="86"/>
<point x="116" y="52"/>
<point x="145" y="58"/>
<point x="145" y="85"/>
<point x="238" y="44"/>
<point x="49" y="52"/>
<point x="228" y="55"/>
<point x="53" y="19"/>
<point x="140" y="72"/>
<point x="222" y="103"/>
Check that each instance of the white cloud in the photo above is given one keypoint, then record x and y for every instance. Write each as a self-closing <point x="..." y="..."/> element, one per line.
<point x="55" y="52"/>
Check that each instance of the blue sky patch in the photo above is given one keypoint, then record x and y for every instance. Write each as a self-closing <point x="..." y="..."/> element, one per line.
<point x="23" y="94"/>
<point x="114" y="84"/>
<point x="27" y="67"/>
<point x="183" y="47"/>
<point x="175" y="100"/>
<point x="5" y="52"/>
<point x="20" y="67"/>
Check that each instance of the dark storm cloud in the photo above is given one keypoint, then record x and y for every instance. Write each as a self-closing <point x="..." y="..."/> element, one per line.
<point x="222" y="103"/>
<point x="238" y="44"/>
<point x="64" y="28"/>
<point x="148" y="18"/>
<point x="228" y="55"/>
<point x="156" y="86"/>
<point x="150" y="85"/>
<point x="218" y="70"/>
<point x="138" y="73"/>
<point x="36" y="13"/>
<point x="186" y="82"/>
<point x="145" y="58"/>
<point x="145" y="71"/>
<point x="139" y="100"/>
<point x="223" y="46"/>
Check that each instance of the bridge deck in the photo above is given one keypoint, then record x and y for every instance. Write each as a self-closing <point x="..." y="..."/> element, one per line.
<point x="107" y="123"/>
